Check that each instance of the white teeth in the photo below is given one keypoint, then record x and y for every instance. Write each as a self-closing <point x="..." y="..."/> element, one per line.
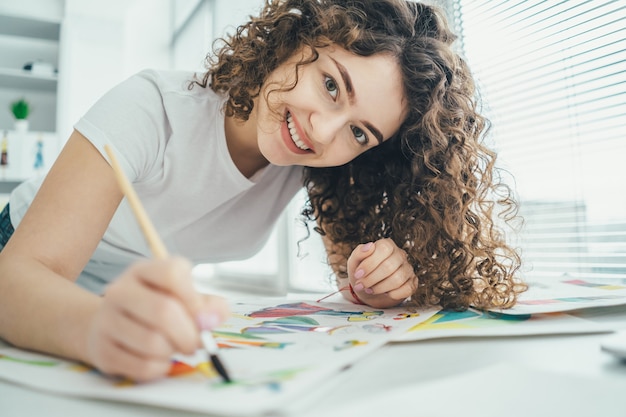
<point x="294" y="134"/>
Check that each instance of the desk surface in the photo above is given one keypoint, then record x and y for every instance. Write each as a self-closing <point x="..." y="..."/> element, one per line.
<point x="556" y="375"/>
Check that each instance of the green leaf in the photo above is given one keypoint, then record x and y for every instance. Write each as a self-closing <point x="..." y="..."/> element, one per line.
<point x="20" y="109"/>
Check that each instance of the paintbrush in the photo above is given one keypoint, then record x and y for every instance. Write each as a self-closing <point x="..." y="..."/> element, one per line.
<point x="158" y="249"/>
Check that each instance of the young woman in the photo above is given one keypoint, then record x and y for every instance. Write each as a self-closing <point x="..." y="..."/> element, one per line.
<point x="364" y="103"/>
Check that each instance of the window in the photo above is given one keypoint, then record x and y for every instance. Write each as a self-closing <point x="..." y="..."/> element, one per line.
<point x="291" y="261"/>
<point x="552" y="75"/>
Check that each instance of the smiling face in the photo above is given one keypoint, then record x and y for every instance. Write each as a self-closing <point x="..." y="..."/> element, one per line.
<point x="342" y="105"/>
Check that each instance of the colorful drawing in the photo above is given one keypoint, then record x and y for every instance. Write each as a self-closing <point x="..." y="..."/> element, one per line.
<point x="275" y="352"/>
<point x="231" y="340"/>
<point x="204" y="370"/>
<point x="477" y="323"/>
<point x="469" y="319"/>
<point x="305" y="309"/>
<point x="289" y="324"/>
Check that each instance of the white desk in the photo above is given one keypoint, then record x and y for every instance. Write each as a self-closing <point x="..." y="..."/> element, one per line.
<point x="564" y="372"/>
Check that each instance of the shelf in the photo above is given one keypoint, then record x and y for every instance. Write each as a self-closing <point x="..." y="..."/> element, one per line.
<point x="29" y="28"/>
<point x="25" y="80"/>
<point x="6" y="186"/>
<point x="27" y="38"/>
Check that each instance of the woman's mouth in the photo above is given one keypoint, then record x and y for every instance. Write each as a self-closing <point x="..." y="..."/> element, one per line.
<point x="293" y="134"/>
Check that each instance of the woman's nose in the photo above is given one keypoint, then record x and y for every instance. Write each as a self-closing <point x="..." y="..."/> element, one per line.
<point x="326" y="126"/>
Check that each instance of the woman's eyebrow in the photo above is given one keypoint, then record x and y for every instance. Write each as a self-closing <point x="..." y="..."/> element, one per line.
<point x="346" y="79"/>
<point x="351" y="97"/>
<point x="375" y="132"/>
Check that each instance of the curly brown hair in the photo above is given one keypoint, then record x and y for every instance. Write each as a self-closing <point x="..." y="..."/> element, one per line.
<point x="433" y="187"/>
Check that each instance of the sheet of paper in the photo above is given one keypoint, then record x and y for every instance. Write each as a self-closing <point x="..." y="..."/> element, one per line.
<point x="276" y="351"/>
<point x="550" y="295"/>
<point x="476" y="323"/>
<point x="503" y="389"/>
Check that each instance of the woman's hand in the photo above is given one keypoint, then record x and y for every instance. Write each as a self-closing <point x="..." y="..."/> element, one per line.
<point x="380" y="274"/>
<point x="149" y="313"/>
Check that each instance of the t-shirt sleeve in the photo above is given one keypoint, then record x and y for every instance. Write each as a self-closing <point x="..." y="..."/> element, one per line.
<point x="132" y="120"/>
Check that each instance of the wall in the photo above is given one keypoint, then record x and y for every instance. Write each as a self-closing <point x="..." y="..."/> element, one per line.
<point x="105" y="41"/>
<point x="102" y="43"/>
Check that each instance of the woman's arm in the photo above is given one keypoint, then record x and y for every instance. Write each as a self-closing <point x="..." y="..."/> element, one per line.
<point x="378" y="272"/>
<point x="41" y="308"/>
<point x="148" y="314"/>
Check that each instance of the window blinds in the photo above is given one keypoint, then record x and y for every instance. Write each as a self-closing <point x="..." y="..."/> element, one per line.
<point x="552" y="78"/>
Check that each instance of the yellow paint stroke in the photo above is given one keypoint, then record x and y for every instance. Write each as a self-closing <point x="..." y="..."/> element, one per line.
<point x="365" y="316"/>
<point x="79" y="367"/>
<point x="426" y="323"/>
<point x="207" y="369"/>
<point x="334" y="329"/>
<point x="403" y="316"/>
<point x="242" y="316"/>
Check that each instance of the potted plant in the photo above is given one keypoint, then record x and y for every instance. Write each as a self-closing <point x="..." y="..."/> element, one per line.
<point x="20" y="109"/>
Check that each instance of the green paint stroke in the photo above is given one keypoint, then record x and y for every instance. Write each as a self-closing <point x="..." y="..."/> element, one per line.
<point x="233" y="335"/>
<point x="28" y="362"/>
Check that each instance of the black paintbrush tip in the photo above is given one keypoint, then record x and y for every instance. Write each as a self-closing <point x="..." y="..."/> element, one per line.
<point x="219" y="367"/>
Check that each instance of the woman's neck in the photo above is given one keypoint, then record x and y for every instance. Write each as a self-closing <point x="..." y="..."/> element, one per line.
<point x="241" y="138"/>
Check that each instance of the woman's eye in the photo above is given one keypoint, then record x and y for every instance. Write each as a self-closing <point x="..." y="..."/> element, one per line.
<point x="359" y="135"/>
<point x="331" y="87"/>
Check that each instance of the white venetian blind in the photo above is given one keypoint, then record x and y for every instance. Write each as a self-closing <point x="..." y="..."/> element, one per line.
<point x="552" y="76"/>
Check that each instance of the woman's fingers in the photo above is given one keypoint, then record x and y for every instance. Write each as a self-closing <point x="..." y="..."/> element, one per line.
<point x="149" y="313"/>
<point x="405" y="291"/>
<point x="171" y="276"/>
<point x="118" y="361"/>
<point x="360" y="254"/>
<point x="156" y="310"/>
<point x="383" y="269"/>
<point x="213" y="311"/>
<point x="135" y="337"/>
<point x="389" y="282"/>
<point x="115" y="347"/>
<point x="399" y="286"/>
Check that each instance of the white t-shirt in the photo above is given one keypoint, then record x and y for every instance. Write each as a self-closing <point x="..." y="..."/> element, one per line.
<point x="171" y="144"/>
